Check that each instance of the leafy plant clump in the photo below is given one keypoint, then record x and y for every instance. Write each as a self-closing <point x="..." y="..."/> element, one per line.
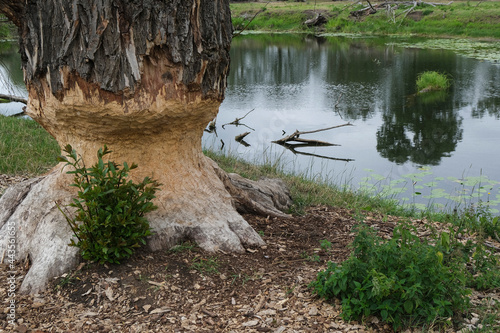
<point x="432" y="81"/>
<point x="405" y="281"/>
<point x="109" y="222"/>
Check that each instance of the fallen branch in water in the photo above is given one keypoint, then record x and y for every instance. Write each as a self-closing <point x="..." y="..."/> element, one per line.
<point x="241" y="136"/>
<point x="295" y="136"/>
<point x="236" y="122"/>
<point x="240" y="139"/>
<point x="12" y="98"/>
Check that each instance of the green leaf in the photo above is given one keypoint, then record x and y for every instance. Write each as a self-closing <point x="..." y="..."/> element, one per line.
<point x="408" y="306"/>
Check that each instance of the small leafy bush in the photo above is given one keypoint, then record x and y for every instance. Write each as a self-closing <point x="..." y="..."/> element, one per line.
<point x="405" y="281"/>
<point x="109" y="222"/>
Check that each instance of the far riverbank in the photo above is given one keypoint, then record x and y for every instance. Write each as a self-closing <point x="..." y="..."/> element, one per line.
<point x="464" y="19"/>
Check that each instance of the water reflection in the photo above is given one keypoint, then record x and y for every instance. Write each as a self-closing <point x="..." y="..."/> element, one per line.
<point x="11" y="77"/>
<point x="303" y="83"/>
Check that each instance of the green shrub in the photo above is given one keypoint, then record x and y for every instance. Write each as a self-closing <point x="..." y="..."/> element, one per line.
<point x="109" y="223"/>
<point x="430" y="81"/>
<point x="405" y="281"/>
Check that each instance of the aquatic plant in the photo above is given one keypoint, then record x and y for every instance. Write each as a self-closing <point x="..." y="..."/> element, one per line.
<point x="431" y="81"/>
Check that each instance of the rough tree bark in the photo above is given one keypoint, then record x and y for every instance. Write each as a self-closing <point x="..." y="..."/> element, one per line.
<point x="144" y="77"/>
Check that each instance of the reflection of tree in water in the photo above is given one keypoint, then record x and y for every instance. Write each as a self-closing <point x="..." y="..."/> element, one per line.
<point x="490" y="107"/>
<point x="11" y="75"/>
<point x="422" y="134"/>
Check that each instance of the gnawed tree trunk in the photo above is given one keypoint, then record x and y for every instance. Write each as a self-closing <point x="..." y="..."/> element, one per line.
<point x="145" y="78"/>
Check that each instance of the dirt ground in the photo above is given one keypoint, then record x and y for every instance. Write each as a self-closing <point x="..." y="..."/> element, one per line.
<point x="189" y="290"/>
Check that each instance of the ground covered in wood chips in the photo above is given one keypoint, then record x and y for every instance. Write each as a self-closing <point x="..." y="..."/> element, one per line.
<point x="188" y="290"/>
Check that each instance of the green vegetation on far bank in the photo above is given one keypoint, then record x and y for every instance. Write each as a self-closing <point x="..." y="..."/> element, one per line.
<point x="470" y="19"/>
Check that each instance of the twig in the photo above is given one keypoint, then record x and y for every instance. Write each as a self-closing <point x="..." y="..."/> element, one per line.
<point x="246" y="26"/>
<point x="491" y="246"/>
<point x="373" y="9"/>
<point x="236" y="122"/>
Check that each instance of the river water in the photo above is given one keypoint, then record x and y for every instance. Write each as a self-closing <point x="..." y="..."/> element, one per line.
<point x="437" y="149"/>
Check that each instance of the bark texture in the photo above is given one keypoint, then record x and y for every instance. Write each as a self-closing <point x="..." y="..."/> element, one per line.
<point x="143" y="77"/>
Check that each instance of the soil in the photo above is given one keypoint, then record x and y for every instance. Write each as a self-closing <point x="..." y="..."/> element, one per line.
<point x="186" y="289"/>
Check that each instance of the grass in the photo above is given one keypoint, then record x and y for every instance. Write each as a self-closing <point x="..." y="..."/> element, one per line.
<point x="206" y="266"/>
<point x="464" y="18"/>
<point x="307" y="191"/>
<point x="431" y="80"/>
<point x="26" y="148"/>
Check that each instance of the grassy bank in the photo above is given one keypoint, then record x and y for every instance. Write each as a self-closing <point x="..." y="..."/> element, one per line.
<point x="471" y="19"/>
<point x="25" y="147"/>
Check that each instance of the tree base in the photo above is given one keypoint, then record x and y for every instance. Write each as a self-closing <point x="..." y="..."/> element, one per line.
<point x="42" y="233"/>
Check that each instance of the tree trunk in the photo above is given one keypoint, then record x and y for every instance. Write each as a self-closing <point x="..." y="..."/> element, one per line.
<point x="143" y="77"/>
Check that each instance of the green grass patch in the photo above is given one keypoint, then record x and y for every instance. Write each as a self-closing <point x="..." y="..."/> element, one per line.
<point x="26" y="148"/>
<point x="307" y="191"/>
<point x="431" y="81"/>
<point x="463" y="18"/>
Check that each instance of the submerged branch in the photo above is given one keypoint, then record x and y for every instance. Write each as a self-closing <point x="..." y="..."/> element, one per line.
<point x="12" y="98"/>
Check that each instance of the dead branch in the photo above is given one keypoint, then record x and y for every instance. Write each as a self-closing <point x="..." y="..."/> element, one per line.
<point x="373" y="9"/>
<point x="212" y="127"/>
<point x="12" y="98"/>
<point x="297" y="133"/>
<point x="317" y="21"/>
<point x="241" y="136"/>
<point x="236" y="122"/>
<point x="246" y="26"/>
<point x="407" y="12"/>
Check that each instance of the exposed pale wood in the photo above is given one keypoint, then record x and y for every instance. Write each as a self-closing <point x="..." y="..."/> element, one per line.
<point x="268" y="197"/>
<point x="316" y="21"/>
